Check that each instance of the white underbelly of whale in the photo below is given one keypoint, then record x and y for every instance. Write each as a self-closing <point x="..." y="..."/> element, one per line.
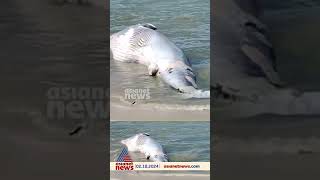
<point x="143" y="44"/>
<point x="143" y="143"/>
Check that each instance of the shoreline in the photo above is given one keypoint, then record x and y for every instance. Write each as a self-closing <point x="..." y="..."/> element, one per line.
<point x="156" y="114"/>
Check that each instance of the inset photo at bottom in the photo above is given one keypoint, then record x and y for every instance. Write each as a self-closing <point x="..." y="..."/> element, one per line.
<point x="155" y="149"/>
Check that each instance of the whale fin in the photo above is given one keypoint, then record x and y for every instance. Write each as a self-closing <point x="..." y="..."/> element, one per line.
<point x="150" y="26"/>
<point x="191" y="81"/>
<point x="146" y="134"/>
<point x="261" y="60"/>
<point x="253" y="33"/>
<point x="257" y="47"/>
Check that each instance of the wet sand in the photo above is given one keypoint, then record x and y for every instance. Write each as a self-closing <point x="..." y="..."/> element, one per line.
<point x="154" y="114"/>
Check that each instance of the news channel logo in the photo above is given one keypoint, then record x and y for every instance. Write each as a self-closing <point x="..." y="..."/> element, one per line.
<point x="137" y="94"/>
<point x="124" y="161"/>
<point x="77" y="103"/>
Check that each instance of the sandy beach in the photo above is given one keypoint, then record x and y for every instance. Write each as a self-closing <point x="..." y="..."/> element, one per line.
<point x="267" y="148"/>
<point x="154" y="114"/>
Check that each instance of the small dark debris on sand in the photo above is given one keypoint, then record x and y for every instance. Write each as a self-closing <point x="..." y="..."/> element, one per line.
<point x="77" y="129"/>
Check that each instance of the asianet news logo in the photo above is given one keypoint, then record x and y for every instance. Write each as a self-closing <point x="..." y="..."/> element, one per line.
<point x="124" y="161"/>
<point x="77" y="103"/>
<point x="137" y="94"/>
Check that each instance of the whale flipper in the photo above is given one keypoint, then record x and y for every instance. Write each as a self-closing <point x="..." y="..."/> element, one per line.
<point x="254" y="33"/>
<point x="150" y="26"/>
<point x="153" y="69"/>
<point x="257" y="47"/>
<point x="263" y="62"/>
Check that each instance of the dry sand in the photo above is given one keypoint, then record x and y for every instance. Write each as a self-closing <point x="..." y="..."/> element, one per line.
<point x="154" y="114"/>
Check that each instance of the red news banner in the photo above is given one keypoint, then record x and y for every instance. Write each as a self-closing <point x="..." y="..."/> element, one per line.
<point x="158" y="166"/>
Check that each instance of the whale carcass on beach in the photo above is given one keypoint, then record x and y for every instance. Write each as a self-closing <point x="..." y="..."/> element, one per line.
<point x="143" y="143"/>
<point x="144" y="44"/>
